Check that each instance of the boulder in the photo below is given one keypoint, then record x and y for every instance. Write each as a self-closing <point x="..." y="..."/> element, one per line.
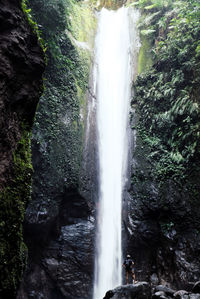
<point x="186" y="295"/>
<point x="166" y="290"/>
<point x="109" y="295"/>
<point x="140" y="290"/>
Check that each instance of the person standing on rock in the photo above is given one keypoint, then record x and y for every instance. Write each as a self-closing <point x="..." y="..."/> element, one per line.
<point x="128" y="265"/>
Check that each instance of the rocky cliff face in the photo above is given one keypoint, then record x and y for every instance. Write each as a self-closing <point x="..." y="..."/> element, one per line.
<point x="21" y="68"/>
<point x="162" y="226"/>
<point x="163" y="213"/>
<point x="59" y="224"/>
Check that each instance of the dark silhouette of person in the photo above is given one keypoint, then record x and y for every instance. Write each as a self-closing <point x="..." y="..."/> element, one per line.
<point x="129" y="268"/>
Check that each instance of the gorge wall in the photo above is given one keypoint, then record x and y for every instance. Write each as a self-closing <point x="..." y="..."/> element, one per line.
<point x="59" y="225"/>
<point x="163" y="225"/>
<point x="21" y="68"/>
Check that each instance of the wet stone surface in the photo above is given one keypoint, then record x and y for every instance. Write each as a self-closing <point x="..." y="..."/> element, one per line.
<point x="65" y="269"/>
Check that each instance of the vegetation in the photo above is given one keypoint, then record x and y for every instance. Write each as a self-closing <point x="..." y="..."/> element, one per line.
<point x="152" y="5"/>
<point x="33" y="24"/>
<point x="165" y="180"/>
<point x="168" y="93"/>
<point x="16" y="191"/>
<point x="58" y="142"/>
<point x="111" y="4"/>
<point x="13" y="200"/>
<point x="66" y="27"/>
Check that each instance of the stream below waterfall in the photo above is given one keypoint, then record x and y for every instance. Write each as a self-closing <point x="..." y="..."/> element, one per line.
<point x="113" y="74"/>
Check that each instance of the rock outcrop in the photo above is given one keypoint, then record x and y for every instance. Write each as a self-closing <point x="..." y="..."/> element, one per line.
<point x="143" y="290"/>
<point x="59" y="224"/>
<point x="161" y="218"/>
<point x="161" y="228"/>
<point x="140" y="290"/>
<point x="163" y="210"/>
<point x="65" y="267"/>
<point x="21" y="68"/>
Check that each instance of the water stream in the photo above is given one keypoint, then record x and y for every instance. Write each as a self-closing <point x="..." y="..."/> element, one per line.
<point x="112" y="86"/>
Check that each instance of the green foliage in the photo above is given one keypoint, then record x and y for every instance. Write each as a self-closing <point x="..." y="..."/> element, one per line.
<point x="152" y="5"/>
<point x="59" y="123"/>
<point x="110" y="4"/>
<point x="13" y="200"/>
<point x="33" y="24"/>
<point x="153" y="27"/>
<point x="81" y="22"/>
<point x="168" y="98"/>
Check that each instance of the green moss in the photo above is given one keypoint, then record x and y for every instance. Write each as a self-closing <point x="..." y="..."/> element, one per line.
<point x="109" y="4"/>
<point x="151" y="5"/>
<point x="13" y="200"/>
<point x="82" y="23"/>
<point x="168" y="100"/>
<point x="153" y="26"/>
<point x="145" y="55"/>
<point x="59" y="125"/>
<point x="33" y="25"/>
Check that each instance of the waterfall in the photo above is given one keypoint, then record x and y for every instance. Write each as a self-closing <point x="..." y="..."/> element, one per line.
<point x="112" y="86"/>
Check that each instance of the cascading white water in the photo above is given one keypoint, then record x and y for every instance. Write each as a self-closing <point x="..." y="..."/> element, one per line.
<point x="112" y="76"/>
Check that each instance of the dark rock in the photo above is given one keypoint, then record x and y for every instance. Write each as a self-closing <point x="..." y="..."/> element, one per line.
<point x="181" y="294"/>
<point x="58" y="224"/>
<point x="196" y="287"/>
<point x="21" y="69"/>
<point x="66" y="265"/>
<point x="165" y="289"/>
<point x="160" y="231"/>
<point x="42" y="218"/>
<point x="140" y="290"/>
<point x="109" y="295"/>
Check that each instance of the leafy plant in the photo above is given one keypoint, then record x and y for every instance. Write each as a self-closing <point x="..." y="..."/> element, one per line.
<point x="33" y="24"/>
<point x="168" y="96"/>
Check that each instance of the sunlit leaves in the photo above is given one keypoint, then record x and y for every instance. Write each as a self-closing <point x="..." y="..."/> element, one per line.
<point x="168" y="95"/>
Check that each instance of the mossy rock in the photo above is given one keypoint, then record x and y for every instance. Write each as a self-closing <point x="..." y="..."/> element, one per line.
<point x="145" y="54"/>
<point x="13" y="200"/>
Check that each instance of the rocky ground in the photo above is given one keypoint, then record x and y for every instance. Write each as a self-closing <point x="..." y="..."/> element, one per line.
<point x="143" y="290"/>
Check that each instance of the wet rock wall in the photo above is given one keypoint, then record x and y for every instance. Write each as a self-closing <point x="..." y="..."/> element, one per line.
<point x="21" y="69"/>
<point x="59" y="223"/>
<point x="163" y="222"/>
